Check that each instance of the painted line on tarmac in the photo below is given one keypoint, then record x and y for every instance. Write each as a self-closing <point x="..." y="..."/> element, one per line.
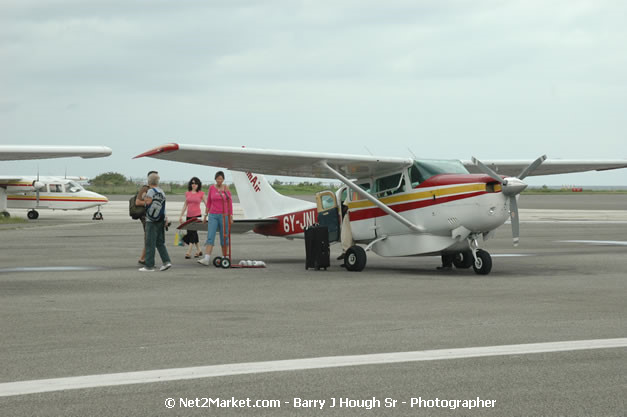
<point x="53" y="269"/>
<point x="597" y="242"/>
<point x="178" y="374"/>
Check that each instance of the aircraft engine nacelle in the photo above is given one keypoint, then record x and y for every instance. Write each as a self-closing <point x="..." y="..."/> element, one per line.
<point x="38" y="185"/>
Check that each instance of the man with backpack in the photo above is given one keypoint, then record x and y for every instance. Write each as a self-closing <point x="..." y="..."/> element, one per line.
<point x="137" y="211"/>
<point x="154" y="201"/>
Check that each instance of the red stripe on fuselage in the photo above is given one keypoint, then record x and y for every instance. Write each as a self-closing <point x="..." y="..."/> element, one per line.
<point x="369" y="213"/>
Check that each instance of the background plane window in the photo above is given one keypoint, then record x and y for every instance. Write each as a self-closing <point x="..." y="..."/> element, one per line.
<point x="56" y="188"/>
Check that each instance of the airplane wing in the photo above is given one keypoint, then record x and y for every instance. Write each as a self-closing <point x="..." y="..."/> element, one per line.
<point x="548" y="167"/>
<point x="7" y="179"/>
<point x="239" y="226"/>
<point x="22" y="152"/>
<point x="274" y="162"/>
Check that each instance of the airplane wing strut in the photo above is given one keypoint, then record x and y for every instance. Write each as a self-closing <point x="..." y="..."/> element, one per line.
<point x="373" y="199"/>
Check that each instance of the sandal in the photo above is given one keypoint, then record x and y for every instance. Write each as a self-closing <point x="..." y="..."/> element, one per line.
<point x="198" y="255"/>
<point x="188" y="257"/>
<point x="141" y="262"/>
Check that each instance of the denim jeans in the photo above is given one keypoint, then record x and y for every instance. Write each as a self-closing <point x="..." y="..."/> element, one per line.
<point x="215" y="223"/>
<point x="155" y="238"/>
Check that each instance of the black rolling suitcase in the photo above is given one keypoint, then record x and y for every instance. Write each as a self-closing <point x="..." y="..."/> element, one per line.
<point x="317" y="254"/>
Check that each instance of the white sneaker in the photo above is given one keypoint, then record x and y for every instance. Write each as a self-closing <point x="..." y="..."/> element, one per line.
<point x="146" y="269"/>
<point x="165" y="267"/>
<point x="204" y="261"/>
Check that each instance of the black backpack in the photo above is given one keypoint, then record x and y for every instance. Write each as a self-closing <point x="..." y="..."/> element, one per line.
<point x="136" y="212"/>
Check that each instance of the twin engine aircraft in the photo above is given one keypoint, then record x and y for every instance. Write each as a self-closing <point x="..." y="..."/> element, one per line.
<point x="47" y="192"/>
<point x="54" y="193"/>
<point x="396" y="206"/>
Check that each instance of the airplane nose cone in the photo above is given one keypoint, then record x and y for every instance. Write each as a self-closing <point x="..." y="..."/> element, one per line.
<point x="514" y="186"/>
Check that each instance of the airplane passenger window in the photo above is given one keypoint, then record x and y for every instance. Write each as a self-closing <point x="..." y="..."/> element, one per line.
<point x="392" y="184"/>
<point x="56" y="188"/>
<point x="356" y="196"/>
<point x="327" y="202"/>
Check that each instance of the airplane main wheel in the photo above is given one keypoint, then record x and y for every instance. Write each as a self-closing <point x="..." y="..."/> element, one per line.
<point x="483" y="264"/>
<point x="6" y="214"/>
<point x="97" y="216"/>
<point x="33" y="214"/>
<point x="463" y="260"/>
<point x="225" y="263"/>
<point x="355" y="259"/>
<point x="217" y="262"/>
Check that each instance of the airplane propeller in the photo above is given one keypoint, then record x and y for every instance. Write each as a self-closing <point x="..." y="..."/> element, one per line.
<point x="512" y="186"/>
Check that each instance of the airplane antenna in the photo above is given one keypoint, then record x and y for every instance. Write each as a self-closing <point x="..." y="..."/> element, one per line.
<point x="412" y="154"/>
<point x="368" y="150"/>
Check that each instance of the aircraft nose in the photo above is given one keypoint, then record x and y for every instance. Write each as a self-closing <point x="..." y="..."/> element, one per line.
<point x="513" y="186"/>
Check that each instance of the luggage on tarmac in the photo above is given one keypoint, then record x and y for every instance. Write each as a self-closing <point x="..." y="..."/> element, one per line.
<point x="317" y="254"/>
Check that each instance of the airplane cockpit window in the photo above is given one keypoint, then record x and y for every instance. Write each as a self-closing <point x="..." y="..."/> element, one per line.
<point x="425" y="169"/>
<point x="73" y="187"/>
<point x="55" y="188"/>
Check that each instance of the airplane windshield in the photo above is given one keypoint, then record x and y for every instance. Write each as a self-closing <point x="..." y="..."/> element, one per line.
<point x="73" y="187"/>
<point x="425" y="169"/>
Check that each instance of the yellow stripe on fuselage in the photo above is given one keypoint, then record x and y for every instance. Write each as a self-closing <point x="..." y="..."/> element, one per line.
<point x="438" y="192"/>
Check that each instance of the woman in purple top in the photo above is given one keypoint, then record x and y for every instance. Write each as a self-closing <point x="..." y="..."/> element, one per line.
<point x="193" y="197"/>
<point x="219" y="206"/>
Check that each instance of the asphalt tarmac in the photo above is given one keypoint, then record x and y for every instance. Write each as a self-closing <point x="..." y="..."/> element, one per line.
<point x="72" y="304"/>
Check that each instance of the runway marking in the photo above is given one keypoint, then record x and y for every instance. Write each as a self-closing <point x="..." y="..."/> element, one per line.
<point x="597" y="242"/>
<point x="178" y="374"/>
<point x="52" y="269"/>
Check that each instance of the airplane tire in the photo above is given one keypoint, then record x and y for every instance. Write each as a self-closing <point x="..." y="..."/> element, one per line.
<point x="463" y="260"/>
<point x="33" y="214"/>
<point x="225" y="263"/>
<point x="6" y="214"/>
<point x="217" y="262"/>
<point x="483" y="264"/>
<point x="97" y="216"/>
<point x="355" y="259"/>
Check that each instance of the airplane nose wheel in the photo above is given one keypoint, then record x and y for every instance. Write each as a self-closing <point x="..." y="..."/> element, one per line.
<point x="33" y="214"/>
<point x="97" y="215"/>
<point x="483" y="263"/>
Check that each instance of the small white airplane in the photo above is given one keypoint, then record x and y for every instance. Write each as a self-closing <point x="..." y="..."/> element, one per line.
<point x="396" y="206"/>
<point x="50" y="192"/>
<point x="54" y="193"/>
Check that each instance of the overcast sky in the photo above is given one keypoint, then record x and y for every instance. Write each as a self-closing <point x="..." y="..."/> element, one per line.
<point x="446" y="79"/>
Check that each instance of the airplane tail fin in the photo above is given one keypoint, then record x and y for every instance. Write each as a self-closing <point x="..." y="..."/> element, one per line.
<point x="259" y="200"/>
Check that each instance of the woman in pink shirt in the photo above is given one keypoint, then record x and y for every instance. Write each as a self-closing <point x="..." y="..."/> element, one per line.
<point x="193" y="198"/>
<point x="219" y="205"/>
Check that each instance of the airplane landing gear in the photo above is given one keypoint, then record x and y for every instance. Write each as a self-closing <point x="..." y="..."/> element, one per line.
<point x="97" y="215"/>
<point x="463" y="260"/>
<point x="5" y="214"/>
<point x="355" y="258"/>
<point x="483" y="263"/>
<point x="33" y="214"/>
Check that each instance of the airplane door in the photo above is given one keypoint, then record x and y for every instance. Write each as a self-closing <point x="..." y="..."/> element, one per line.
<point x="328" y="214"/>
